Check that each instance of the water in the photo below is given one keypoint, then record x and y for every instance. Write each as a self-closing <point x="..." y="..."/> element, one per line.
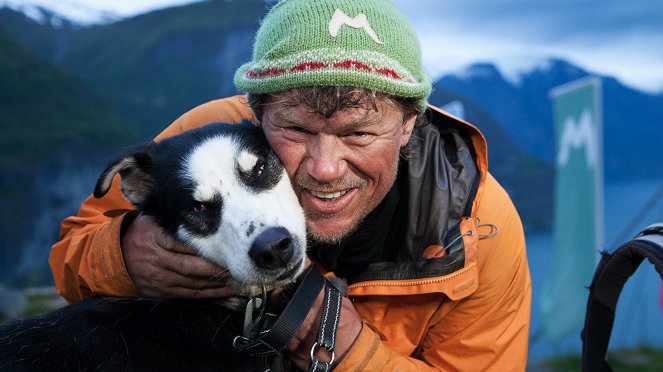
<point x="639" y="317"/>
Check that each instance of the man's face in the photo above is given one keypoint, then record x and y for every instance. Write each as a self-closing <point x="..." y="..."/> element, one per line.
<point x="341" y="167"/>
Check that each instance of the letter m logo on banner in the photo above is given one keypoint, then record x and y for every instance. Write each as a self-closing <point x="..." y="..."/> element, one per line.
<point x="578" y="220"/>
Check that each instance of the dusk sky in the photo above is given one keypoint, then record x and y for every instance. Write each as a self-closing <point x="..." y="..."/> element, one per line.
<point x="619" y="38"/>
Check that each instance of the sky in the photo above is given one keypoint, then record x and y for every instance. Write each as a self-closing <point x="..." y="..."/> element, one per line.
<point x="618" y="38"/>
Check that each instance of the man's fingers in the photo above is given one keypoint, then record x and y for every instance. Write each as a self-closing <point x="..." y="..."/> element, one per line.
<point x="177" y="280"/>
<point x="182" y="258"/>
<point x="162" y="239"/>
<point x="168" y="283"/>
<point x="197" y="282"/>
<point x="192" y="265"/>
<point x="161" y="266"/>
<point x="185" y="292"/>
<point x="203" y="293"/>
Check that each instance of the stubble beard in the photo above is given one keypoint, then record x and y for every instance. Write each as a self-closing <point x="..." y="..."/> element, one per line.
<point x="331" y="239"/>
<point x="305" y="181"/>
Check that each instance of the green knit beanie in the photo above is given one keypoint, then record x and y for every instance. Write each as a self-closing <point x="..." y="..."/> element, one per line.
<point x="362" y="43"/>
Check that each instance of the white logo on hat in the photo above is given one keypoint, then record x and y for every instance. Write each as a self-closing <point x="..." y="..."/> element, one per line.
<point x="360" y="21"/>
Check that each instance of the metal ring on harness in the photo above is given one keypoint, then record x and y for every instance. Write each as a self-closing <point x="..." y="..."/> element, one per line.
<point x="274" y="339"/>
<point x="611" y="274"/>
<point x="314" y="349"/>
<point x="331" y="310"/>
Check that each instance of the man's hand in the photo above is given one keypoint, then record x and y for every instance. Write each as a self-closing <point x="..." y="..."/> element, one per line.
<point x="160" y="266"/>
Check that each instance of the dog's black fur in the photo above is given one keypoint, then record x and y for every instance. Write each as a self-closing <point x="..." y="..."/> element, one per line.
<point x="138" y="334"/>
<point x="127" y="334"/>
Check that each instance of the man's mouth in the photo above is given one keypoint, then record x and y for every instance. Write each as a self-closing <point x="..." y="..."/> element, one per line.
<point x="328" y="196"/>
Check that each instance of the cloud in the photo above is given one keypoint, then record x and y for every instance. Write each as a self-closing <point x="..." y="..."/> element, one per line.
<point x="620" y="38"/>
<point x="94" y="11"/>
<point x="612" y="37"/>
<point x="540" y="20"/>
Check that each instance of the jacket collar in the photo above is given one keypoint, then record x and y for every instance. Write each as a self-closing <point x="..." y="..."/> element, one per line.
<point x="445" y="171"/>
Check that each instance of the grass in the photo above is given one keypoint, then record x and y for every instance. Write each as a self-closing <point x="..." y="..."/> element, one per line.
<point x="37" y="302"/>
<point x="642" y="359"/>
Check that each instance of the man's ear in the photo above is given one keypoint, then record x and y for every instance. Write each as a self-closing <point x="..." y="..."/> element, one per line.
<point x="408" y="127"/>
<point x="136" y="179"/>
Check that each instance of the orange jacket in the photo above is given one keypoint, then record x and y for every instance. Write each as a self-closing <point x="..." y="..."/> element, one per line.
<point x="472" y="314"/>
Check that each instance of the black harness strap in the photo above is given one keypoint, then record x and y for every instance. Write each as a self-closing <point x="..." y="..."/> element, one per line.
<point x="284" y="328"/>
<point x="331" y="312"/>
<point x="611" y="274"/>
<point x="274" y="339"/>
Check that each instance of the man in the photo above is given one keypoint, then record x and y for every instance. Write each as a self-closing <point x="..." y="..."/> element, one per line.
<point x="430" y="244"/>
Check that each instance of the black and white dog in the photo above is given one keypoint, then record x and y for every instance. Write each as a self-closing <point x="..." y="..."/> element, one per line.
<point x="218" y="188"/>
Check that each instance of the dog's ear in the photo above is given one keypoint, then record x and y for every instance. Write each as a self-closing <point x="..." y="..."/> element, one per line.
<point x="134" y="169"/>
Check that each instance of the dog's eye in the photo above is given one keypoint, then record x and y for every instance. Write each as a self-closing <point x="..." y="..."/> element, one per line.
<point x="200" y="207"/>
<point x="259" y="168"/>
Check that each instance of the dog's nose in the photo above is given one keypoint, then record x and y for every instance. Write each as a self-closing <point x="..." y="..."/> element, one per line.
<point x="272" y="248"/>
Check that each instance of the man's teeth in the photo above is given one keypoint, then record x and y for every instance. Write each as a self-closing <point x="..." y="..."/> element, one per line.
<point x="328" y="195"/>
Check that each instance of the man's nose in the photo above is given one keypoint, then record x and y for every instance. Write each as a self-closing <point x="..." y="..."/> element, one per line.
<point x="325" y="161"/>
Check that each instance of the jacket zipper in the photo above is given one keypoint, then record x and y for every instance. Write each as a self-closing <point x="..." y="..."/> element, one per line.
<point x="400" y="283"/>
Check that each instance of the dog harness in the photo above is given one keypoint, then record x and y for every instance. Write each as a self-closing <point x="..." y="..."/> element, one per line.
<point x="266" y="335"/>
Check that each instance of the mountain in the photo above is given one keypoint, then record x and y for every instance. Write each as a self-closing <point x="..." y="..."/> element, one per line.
<point x="184" y="56"/>
<point x="40" y="31"/>
<point x="168" y="61"/>
<point x="61" y="13"/>
<point x="633" y="120"/>
<point x="45" y="111"/>
<point x="54" y="126"/>
<point x="155" y="66"/>
<point x="72" y="94"/>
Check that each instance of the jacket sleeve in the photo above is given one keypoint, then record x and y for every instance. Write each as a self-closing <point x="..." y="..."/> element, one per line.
<point x="87" y="260"/>
<point x="486" y="331"/>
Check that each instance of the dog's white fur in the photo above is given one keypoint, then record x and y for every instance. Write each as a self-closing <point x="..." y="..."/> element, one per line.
<point x="245" y="214"/>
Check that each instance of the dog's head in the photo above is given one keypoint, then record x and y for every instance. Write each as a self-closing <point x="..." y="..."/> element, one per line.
<point x="222" y="190"/>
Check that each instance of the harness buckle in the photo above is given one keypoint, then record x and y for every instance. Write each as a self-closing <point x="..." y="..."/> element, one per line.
<point x="240" y="341"/>
<point x="253" y="313"/>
